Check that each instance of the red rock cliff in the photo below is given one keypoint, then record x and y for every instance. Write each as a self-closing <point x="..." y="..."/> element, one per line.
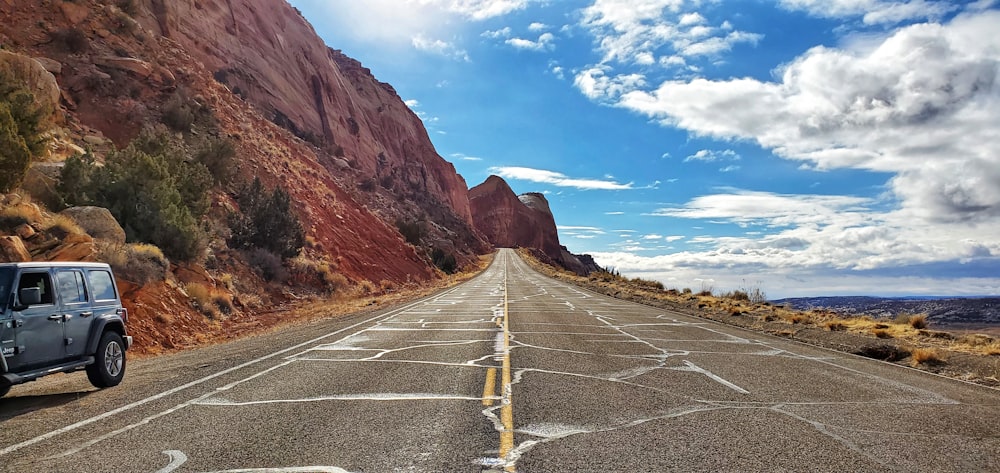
<point x="509" y="221"/>
<point x="267" y="77"/>
<point x="265" y="51"/>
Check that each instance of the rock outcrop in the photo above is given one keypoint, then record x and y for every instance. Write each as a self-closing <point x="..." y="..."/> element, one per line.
<point x="97" y="222"/>
<point x="301" y="116"/>
<point x="265" y="52"/>
<point x="526" y="221"/>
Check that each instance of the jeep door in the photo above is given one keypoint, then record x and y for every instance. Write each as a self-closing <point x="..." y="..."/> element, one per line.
<point x="76" y="310"/>
<point x="38" y="329"/>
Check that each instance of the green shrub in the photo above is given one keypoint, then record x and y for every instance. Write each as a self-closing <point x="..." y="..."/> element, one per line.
<point x="411" y="231"/>
<point x="71" y="40"/>
<point x="219" y="157"/>
<point x="156" y="194"/>
<point x="22" y="125"/>
<point x="267" y="264"/>
<point x="265" y="221"/>
<point x="14" y="154"/>
<point x="444" y="262"/>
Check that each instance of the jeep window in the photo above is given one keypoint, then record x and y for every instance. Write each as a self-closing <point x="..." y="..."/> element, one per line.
<point x="6" y="280"/>
<point x="72" y="290"/>
<point x="103" y="285"/>
<point x="39" y="280"/>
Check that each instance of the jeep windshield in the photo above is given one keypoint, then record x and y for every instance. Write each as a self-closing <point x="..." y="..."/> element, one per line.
<point x="6" y="280"/>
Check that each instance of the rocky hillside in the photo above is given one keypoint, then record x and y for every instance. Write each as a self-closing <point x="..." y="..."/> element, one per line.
<point x="304" y="117"/>
<point x="206" y="107"/>
<point x="941" y="312"/>
<point x="508" y="220"/>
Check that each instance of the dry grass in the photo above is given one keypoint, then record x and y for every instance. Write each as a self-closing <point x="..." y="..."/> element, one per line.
<point x="917" y="321"/>
<point x="203" y="299"/>
<point x="835" y="326"/>
<point x="925" y="356"/>
<point x="881" y="333"/>
<point x="63" y="225"/>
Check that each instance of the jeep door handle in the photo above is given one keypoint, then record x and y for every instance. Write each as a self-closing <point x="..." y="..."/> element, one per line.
<point x="86" y="314"/>
<point x="55" y="317"/>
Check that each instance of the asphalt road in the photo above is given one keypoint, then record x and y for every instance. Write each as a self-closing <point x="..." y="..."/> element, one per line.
<point x="511" y="371"/>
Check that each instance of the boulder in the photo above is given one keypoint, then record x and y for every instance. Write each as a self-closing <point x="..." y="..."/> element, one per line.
<point x="50" y="65"/>
<point x="138" y="67"/>
<point x="12" y="250"/>
<point x="74" y="13"/>
<point x="37" y="80"/>
<point x="97" y="222"/>
<point x="73" y="248"/>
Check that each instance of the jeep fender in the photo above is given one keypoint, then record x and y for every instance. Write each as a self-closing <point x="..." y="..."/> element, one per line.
<point x="107" y="322"/>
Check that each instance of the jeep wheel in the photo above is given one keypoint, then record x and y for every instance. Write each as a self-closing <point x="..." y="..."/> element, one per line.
<point x="4" y="388"/>
<point x="109" y="365"/>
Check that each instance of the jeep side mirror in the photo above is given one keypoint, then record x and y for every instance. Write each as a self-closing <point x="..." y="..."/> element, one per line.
<point x="30" y="296"/>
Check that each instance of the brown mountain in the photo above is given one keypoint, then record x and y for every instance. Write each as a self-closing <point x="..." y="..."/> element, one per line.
<point x="526" y="221"/>
<point x="354" y="158"/>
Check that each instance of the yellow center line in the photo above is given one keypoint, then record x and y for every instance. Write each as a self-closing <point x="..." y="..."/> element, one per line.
<point x="489" y="389"/>
<point x="507" y="409"/>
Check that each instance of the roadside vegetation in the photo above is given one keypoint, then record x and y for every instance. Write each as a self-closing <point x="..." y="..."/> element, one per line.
<point x="906" y="339"/>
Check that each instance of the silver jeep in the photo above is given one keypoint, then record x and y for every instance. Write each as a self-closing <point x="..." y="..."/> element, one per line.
<point x="58" y="318"/>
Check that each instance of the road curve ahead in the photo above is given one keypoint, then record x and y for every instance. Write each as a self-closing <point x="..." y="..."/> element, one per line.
<point x="511" y="371"/>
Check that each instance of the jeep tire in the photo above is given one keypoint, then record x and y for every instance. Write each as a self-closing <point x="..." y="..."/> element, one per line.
<point x="4" y="387"/>
<point x="109" y="361"/>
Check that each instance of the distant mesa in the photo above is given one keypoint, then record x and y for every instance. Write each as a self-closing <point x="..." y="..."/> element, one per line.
<point x="507" y="220"/>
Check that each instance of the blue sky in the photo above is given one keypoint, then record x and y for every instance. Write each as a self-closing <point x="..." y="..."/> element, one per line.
<point x="804" y="147"/>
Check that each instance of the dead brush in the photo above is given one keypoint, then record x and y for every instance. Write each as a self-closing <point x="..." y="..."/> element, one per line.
<point x="917" y="321"/>
<point x="881" y="332"/>
<point x="925" y="356"/>
<point x="835" y="326"/>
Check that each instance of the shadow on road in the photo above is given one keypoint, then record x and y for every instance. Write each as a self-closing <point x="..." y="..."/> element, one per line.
<point x="13" y="405"/>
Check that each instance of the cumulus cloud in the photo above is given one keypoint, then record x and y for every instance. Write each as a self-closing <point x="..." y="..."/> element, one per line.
<point x="775" y="210"/>
<point x="439" y="47"/>
<point x="636" y="31"/>
<point x="874" y="11"/>
<point x="544" y="42"/>
<point x="923" y="104"/>
<point x="416" y="23"/>
<point x="504" y="32"/>
<point x="597" y="85"/>
<point x="558" y="179"/>
<point x="710" y="156"/>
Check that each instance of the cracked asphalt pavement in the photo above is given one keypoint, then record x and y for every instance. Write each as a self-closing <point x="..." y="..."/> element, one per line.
<point x="511" y="371"/>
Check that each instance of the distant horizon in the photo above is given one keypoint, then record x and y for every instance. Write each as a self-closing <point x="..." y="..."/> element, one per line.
<point x="815" y="147"/>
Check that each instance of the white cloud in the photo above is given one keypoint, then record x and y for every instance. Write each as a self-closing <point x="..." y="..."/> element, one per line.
<point x="439" y="47"/>
<point x="597" y="85"/>
<point x="406" y="23"/>
<point x="536" y="27"/>
<point x="673" y="238"/>
<point x="874" y="11"/>
<point x="412" y="103"/>
<point x="558" y="179"/>
<point x="652" y="236"/>
<point x="636" y="31"/>
<point x="614" y="213"/>
<point x="545" y="42"/>
<point x="922" y="104"/>
<point x="730" y="168"/>
<point x="463" y="157"/>
<point x="504" y="32"/>
<point x="709" y="156"/>
<point x="765" y="208"/>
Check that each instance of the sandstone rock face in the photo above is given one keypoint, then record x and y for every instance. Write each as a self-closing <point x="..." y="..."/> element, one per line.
<point x="12" y="250"/>
<point x="265" y="50"/>
<point x="526" y="221"/>
<point x="274" y="88"/>
<point x="507" y="220"/>
<point x="97" y="222"/>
